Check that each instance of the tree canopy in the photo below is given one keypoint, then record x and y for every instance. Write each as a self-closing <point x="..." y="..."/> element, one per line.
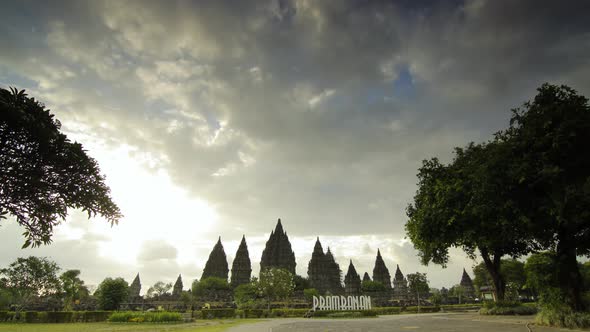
<point x="31" y="276"/>
<point x="111" y="293"/>
<point x="43" y="173"/>
<point x="527" y="189"/>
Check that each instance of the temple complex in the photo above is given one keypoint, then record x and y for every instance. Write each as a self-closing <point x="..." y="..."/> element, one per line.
<point x="352" y="281"/>
<point x="216" y="265"/>
<point x="134" y="289"/>
<point x="323" y="271"/>
<point x="177" y="289"/>
<point x="241" y="269"/>
<point x="380" y="272"/>
<point x="467" y="284"/>
<point x="400" y="285"/>
<point x="277" y="252"/>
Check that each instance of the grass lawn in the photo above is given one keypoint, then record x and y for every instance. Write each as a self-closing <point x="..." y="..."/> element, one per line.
<point x="201" y="326"/>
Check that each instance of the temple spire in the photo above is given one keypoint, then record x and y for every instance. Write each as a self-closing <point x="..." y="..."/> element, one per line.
<point x="216" y="265"/>
<point x="380" y="272"/>
<point x="352" y="280"/>
<point x="278" y="252"/>
<point x="241" y="267"/>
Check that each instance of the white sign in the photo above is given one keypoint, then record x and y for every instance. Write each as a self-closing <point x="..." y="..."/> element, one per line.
<point x="341" y="302"/>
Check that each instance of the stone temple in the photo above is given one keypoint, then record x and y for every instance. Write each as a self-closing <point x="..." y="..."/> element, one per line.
<point x="400" y="285"/>
<point x="216" y="265"/>
<point x="381" y="273"/>
<point x="241" y="269"/>
<point x="352" y="281"/>
<point x="177" y="289"/>
<point x="366" y="277"/>
<point x="278" y="252"/>
<point x="134" y="289"/>
<point x="323" y="271"/>
<point x="467" y="284"/>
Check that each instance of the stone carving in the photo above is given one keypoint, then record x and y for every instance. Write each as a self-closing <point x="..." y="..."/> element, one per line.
<point x="216" y="265"/>
<point x="278" y="252"/>
<point x="400" y="285"/>
<point x="352" y="281"/>
<point x="380" y="272"/>
<point x="241" y="269"/>
<point x="177" y="289"/>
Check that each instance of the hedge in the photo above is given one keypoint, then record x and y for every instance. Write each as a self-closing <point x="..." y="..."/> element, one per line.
<point x="218" y="313"/>
<point x="148" y="317"/>
<point x="54" y="316"/>
<point x="347" y="313"/>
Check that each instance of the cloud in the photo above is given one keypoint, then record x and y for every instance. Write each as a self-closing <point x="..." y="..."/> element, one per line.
<point x="317" y="112"/>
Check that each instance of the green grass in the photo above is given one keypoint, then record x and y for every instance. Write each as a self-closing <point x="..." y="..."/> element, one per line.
<point x="201" y="326"/>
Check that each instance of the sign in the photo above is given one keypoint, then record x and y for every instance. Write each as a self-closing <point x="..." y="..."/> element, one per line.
<point x="341" y="302"/>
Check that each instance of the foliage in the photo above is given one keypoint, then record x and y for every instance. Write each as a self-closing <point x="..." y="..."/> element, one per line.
<point x="5" y="298"/>
<point x="145" y="317"/>
<point x="468" y="204"/>
<point x="31" y="276"/>
<point x="199" y="288"/>
<point x="417" y="284"/>
<point x="159" y="289"/>
<point x="549" y="138"/>
<point x="512" y="272"/>
<point x="111" y="293"/>
<point x="457" y="291"/>
<point x="55" y="316"/>
<point x="218" y="313"/>
<point x="309" y="293"/>
<point x="42" y="173"/>
<point x="564" y="317"/>
<point x="301" y="283"/>
<point x="73" y="287"/>
<point x="275" y="284"/>
<point x="372" y="286"/>
<point x="506" y="308"/>
<point x="245" y="293"/>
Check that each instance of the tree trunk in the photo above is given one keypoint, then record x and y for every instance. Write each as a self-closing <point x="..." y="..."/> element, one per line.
<point x="568" y="273"/>
<point x="493" y="266"/>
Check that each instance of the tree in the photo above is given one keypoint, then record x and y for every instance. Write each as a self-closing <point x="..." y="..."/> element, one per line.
<point x="541" y="272"/>
<point x="29" y="277"/>
<point x="111" y="293"/>
<point x="275" y="284"/>
<point x="418" y="284"/>
<point x="200" y="288"/>
<point x="469" y="204"/>
<point x="42" y="173"/>
<point x="159" y="289"/>
<point x="73" y="287"/>
<point x="549" y="137"/>
<point x="246" y="293"/>
<point x="457" y="291"/>
<point x="372" y="286"/>
<point x="511" y="271"/>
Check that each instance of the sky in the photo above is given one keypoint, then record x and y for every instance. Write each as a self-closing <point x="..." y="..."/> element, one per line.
<point x="216" y="118"/>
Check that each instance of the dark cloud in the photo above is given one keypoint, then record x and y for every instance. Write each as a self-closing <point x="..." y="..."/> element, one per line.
<point x="315" y="111"/>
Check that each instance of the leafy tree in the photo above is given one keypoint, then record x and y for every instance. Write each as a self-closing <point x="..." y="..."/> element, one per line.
<point x="541" y="273"/>
<point x="511" y="270"/>
<point x="73" y="287"/>
<point x="301" y="283"/>
<point x="436" y="298"/>
<point x="29" y="277"/>
<point x="159" y="289"/>
<point x="200" y="288"/>
<point x="111" y="293"/>
<point x="372" y="286"/>
<point x="418" y="284"/>
<point x="42" y="173"/>
<point x="246" y="293"/>
<point x="275" y="284"/>
<point x="468" y="204"/>
<point x="309" y="293"/>
<point x="457" y="291"/>
<point x="549" y="137"/>
<point x="5" y="298"/>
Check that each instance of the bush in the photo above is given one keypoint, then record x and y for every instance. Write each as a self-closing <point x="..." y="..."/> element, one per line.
<point x="147" y="317"/>
<point x="256" y="313"/>
<point x="563" y="316"/>
<point x="345" y="314"/>
<point x="6" y="316"/>
<point x="211" y="283"/>
<point x="218" y="313"/>
<point x="507" y="308"/>
<point x="387" y="310"/>
<point x="59" y="316"/>
<point x="288" y="312"/>
<point x="423" y="309"/>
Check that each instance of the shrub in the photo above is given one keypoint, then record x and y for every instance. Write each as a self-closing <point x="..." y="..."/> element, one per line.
<point x="148" y="317"/>
<point x="423" y="309"/>
<point x="507" y="308"/>
<point x="218" y="313"/>
<point x="563" y="316"/>
<point x="345" y="314"/>
<point x="211" y="283"/>
<point x="387" y="310"/>
<point x="6" y="316"/>
<point x="256" y="313"/>
<point x="288" y="312"/>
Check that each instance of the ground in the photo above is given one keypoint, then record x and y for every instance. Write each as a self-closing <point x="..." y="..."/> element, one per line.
<point x="440" y="322"/>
